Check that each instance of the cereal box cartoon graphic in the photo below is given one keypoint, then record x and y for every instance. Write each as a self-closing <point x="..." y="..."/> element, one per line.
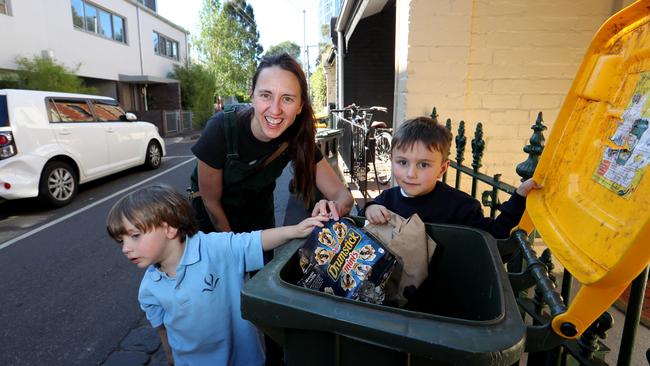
<point x="343" y="260"/>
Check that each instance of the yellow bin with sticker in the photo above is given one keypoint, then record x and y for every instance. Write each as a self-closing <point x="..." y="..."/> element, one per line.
<point x="594" y="208"/>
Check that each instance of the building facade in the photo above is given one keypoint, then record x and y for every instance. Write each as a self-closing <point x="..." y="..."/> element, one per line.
<point x="123" y="48"/>
<point x="499" y="62"/>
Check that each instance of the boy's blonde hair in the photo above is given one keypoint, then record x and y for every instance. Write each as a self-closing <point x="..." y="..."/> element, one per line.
<point x="425" y="130"/>
<point x="148" y="208"/>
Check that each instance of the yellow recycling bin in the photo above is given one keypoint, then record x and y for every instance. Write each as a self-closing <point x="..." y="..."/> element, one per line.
<point x="594" y="207"/>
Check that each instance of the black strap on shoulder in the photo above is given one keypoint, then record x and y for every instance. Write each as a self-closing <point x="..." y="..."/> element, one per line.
<point x="231" y="131"/>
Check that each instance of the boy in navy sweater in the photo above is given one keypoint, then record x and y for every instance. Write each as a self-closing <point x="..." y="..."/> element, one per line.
<point x="420" y="156"/>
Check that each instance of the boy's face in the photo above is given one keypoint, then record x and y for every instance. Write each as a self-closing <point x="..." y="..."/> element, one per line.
<point x="417" y="169"/>
<point x="144" y="249"/>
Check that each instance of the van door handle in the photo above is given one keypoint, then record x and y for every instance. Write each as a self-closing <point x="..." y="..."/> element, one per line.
<point x="110" y="129"/>
<point x="65" y="132"/>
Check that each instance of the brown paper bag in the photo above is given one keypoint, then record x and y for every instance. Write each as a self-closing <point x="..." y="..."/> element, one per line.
<point x="407" y="239"/>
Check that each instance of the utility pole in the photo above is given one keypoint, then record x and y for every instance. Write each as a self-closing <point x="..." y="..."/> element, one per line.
<point x="304" y="44"/>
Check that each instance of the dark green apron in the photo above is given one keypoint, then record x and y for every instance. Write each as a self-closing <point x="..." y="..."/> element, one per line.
<point x="247" y="195"/>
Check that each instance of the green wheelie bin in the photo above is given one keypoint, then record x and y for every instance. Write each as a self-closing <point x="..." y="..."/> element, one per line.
<point x="468" y="314"/>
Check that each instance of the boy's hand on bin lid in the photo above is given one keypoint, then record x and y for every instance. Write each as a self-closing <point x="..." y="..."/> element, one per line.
<point x="326" y="208"/>
<point x="527" y="186"/>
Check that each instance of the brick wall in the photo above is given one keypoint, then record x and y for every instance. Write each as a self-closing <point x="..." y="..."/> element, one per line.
<point x="499" y="62"/>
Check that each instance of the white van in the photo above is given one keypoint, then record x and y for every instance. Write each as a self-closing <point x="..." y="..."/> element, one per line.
<point x="51" y="142"/>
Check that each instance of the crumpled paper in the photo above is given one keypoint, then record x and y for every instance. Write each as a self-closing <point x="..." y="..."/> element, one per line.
<point x="407" y="239"/>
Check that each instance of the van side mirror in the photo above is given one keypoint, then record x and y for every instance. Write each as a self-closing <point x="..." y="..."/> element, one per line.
<point x="128" y="116"/>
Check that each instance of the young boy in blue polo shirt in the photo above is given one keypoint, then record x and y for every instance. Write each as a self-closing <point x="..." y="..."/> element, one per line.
<point x="191" y="287"/>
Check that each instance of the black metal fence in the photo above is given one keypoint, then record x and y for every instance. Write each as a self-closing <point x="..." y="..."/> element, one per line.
<point x="589" y="349"/>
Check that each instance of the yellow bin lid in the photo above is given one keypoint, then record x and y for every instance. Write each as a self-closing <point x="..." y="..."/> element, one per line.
<point x="594" y="207"/>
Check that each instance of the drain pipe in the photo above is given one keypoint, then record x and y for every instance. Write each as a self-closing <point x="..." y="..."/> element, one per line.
<point x="339" y="68"/>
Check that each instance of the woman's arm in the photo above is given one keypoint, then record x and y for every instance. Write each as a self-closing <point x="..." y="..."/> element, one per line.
<point x="332" y="188"/>
<point x="211" y="187"/>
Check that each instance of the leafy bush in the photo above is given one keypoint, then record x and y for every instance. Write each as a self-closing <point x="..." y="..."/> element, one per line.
<point x="41" y="73"/>
<point x="318" y="89"/>
<point x="197" y="91"/>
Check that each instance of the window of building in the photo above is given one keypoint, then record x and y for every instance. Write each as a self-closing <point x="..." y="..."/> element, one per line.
<point x="106" y="25"/>
<point x="93" y="19"/>
<point x="164" y="46"/>
<point x="4" y="7"/>
<point x="151" y="4"/>
<point x="118" y="29"/>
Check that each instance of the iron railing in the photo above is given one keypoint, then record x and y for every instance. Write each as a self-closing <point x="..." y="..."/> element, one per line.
<point x="588" y="349"/>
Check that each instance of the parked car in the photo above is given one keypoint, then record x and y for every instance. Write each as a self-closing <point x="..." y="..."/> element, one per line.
<point x="51" y="142"/>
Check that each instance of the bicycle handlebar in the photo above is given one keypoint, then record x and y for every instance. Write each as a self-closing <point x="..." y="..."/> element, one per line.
<point x="354" y="107"/>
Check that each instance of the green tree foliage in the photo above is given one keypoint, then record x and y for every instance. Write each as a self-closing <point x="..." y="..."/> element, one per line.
<point x="40" y="73"/>
<point x="318" y="88"/>
<point x="285" y="47"/>
<point x="229" y="44"/>
<point x="197" y="90"/>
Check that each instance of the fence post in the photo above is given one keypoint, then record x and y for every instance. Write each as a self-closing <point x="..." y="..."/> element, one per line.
<point x="478" y="145"/>
<point x="526" y="169"/>
<point x="461" y="141"/>
<point x="448" y="127"/>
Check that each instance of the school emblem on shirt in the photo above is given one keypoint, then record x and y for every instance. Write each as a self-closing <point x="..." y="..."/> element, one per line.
<point x="211" y="283"/>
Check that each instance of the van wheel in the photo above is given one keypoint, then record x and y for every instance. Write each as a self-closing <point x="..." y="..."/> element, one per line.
<point x="58" y="185"/>
<point x="154" y="156"/>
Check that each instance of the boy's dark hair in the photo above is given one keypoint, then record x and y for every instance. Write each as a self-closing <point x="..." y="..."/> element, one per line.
<point x="425" y="130"/>
<point x="148" y="208"/>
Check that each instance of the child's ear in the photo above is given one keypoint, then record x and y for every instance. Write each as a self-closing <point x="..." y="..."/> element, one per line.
<point x="443" y="167"/>
<point x="170" y="231"/>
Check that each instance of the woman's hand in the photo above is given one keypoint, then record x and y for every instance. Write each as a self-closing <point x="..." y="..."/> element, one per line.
<point x="326" y="208"/>
<point x="329" y="184"/>
<point x="377" y="214"/>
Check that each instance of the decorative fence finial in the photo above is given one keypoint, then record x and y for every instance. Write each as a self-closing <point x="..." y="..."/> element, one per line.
<point x="526" y="169"/>
<point x="434" y="114"/>
<point x="478" y="145"/>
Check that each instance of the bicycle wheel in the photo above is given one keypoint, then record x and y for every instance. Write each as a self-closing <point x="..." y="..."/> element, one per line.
<point x="381" y="161"/>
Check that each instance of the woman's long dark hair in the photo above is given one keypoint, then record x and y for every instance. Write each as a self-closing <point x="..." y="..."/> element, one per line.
<point x="302" y="133"/>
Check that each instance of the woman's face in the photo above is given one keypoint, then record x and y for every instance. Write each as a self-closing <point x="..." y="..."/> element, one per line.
<point x="277" y="102"/>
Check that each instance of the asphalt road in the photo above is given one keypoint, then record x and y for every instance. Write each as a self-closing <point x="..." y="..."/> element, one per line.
<point x="67" y="294"/>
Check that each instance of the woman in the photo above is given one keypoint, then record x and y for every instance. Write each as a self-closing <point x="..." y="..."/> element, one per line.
<point x="239" y="161"/>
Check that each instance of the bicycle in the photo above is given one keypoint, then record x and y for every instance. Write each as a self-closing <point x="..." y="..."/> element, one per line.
<point x="370" y="143"/>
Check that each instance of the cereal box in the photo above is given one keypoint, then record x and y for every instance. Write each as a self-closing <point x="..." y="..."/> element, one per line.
<point x="343" y="260"/>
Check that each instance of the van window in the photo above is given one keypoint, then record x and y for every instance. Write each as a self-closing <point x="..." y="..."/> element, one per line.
<point x="52" y="112"/>
<point x="108" y="111"/>
<point x="70" y="110"/>
<point x="4" y="111"/>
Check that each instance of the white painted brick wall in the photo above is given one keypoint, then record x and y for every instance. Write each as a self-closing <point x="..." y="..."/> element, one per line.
<point x="499" y="62"/>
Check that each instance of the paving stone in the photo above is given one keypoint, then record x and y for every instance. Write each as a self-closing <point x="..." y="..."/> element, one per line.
<point x="144" y="339"/>
<point x="158" y="358"/>
<point x="123" y="358"/>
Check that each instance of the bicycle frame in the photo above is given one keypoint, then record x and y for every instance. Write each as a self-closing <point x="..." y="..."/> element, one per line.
<point x="363" y="146"/>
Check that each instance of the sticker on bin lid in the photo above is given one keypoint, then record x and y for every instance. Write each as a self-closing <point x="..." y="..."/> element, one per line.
<point x="592" y="210"/>
<point x="622" y="166"/>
